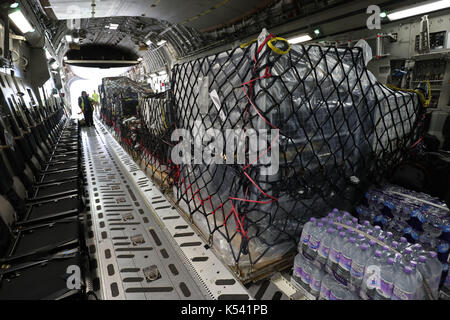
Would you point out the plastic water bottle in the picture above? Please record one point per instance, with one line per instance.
(403, 244)
(416, 248)
(358, 267)
(397, 255)
(335, 253)
(330, 224)
(365, 226)
(436, 270)
(420, 290)
(371, 278)
(394, 245)
(380, 238)
(346, 215)
(339, 292)
(361, 239)
(386, 253)
(388, 273)
(351, 234)
(306, 275)
(389, 238)
(370, 232)
(315, 230)
(304, 238)
(372, 247)
(324, 247)
(377, 231)
(325, 287)
(299, 262)
(334, 214)
(315, 237)
(427, 273)
(349, 223)
(345, 261)
(315, 282)
(405, 285)
(408, 253)
(339, 220)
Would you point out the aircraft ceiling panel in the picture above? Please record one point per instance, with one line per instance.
(199, 14)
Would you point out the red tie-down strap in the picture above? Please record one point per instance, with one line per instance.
(176, 170)
(240, 220)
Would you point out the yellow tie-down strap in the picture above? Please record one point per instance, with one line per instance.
(271, 45)
(425, 102)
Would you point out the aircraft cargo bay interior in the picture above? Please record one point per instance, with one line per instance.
(195, 150)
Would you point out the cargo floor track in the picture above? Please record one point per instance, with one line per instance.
(134, 231)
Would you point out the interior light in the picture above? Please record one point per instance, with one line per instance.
(140, 59)
(14, 5)
(20, 21)
(69, 38)
(418, 9)
(299, 39)
(148, 42)
(162, 42)
(76, 40)
(113, 26)
(317, 31)
(383, 14)
(65, 58)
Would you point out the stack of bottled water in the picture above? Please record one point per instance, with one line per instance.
(317, 282)
(418, 217)
(341, 259)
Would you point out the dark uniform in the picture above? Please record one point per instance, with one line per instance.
(85, 104)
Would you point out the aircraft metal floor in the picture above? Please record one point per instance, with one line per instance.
(136, 230)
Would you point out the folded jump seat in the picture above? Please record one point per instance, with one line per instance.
(37, 241)
(37, 256)
(36, 261)
(42, 205)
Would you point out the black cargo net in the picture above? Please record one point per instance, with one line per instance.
(339, 129)
(120, 98)
(157, 124)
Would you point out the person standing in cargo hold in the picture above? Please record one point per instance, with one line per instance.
(86, 105)
(96, 99)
